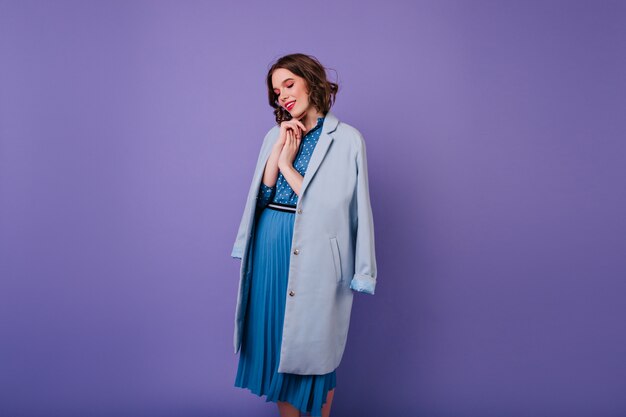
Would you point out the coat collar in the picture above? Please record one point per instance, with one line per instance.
(323, 143)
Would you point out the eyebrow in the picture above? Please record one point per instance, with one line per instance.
(284, 81)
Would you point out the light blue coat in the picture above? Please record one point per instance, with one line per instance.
(332, 249)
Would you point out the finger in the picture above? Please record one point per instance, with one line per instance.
(297, 127)
(295, 131)
(301, 126)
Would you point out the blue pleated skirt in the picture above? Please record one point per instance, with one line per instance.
(263, 324)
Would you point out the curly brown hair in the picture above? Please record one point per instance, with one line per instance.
(322, 92)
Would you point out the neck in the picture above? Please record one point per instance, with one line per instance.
(310, 119)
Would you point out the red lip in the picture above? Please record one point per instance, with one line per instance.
(290, 105)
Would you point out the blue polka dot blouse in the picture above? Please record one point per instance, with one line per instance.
(281, 192)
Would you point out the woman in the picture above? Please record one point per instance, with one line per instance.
(306, 227)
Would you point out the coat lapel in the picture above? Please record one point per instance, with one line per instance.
(323, 143)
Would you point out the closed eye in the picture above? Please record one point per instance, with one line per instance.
(278, 94)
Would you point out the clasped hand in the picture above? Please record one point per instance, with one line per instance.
(288, 142)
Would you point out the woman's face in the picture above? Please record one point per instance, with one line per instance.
(291, 91)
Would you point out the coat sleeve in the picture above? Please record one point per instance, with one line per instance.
(364, 279)
(240, 240)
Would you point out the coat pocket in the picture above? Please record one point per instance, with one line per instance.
(334, 246)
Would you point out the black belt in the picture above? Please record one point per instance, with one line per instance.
(282, 207)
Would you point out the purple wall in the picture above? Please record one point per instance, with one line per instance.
(496, 143)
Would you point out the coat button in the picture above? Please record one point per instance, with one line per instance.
(295, 252)
(291, 293)
(299, 211)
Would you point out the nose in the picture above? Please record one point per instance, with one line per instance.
(283, 97)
